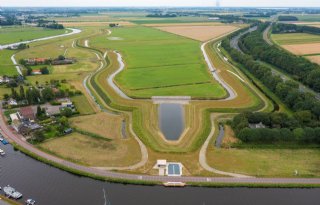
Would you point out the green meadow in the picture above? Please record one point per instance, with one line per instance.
(19, 33)
(6, 65)
(160, 63)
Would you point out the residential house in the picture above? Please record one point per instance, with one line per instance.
(27, 113)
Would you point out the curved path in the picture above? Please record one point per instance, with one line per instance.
(73, 31)
(143, 148)
(16, 138)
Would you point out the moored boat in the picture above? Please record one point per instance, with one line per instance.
(30, 202)
(2, 153)
(11, 192)
(174, 184)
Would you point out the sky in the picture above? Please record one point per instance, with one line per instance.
(152, 3)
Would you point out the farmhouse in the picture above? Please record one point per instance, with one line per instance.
(36, 72)
(27, 113)
(36, 61)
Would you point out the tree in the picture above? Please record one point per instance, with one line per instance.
(61, 57)
(64, 121)
(47, 94)
(44, 70)
(22, 93)
(67, 112)
(39, 136)
(39, 111)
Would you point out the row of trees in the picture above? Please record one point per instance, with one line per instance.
(293, 28)
(287, 91)
(280, 127)
(33, 95)
(287, 18)
(300, 68)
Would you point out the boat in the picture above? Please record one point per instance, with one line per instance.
(11, 192)
(30, 202)
(2, 153)
(1, 139)
(174, 184)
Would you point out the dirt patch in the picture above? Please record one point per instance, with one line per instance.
(200, 33)
(103, 124)
(184, 24)
(302, 49)
(229, 137)
(315, 59)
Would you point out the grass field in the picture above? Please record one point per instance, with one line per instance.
(201, 33)
(308, 17)
(20, 33)
(267, 162)
(103, 124)
(6, 65)
(82, 105)
(91, 151)
(157, 60)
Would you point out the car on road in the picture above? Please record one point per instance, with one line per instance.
(5, 142)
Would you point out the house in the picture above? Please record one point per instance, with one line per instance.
(257, 125)
(15, 116)
(12, 102)
(4, 79)
(67, 105)
(16, 124)
(36, 72)
(36, 61)
(51, 109)
(63, 62)
(26, 127)
(27, 113)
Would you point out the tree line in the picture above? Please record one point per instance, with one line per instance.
(293, 28)
(287, 91)
(279, 128)
(300, 68)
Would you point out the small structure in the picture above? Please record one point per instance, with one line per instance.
(173, 169)
(67, 131)
(27, 113)
(51, 109)
(257, 125)
(63, 62)
(36, 72)
(12, 102)
(36, 61)
(15, 116)
(4, 79)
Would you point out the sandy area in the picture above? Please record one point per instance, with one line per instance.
(315, 59)
(302, 49)
(201, 33)
(184, 24)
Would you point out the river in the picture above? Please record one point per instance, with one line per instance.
(51, 186)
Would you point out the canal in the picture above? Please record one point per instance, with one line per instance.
(51, 186)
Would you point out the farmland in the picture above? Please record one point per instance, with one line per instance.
(156, 60)
(299, 44)
(315, 59)
(6, 65)
(17, 33)
(201, 33)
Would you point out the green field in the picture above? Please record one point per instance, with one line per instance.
(267, 162)
(82, 105)
(20, 33)
(160, 63)
(6, 65)
(308, 17)
(295, 38)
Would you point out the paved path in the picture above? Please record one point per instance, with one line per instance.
(266, 35)
(13, 137)
(73, 31)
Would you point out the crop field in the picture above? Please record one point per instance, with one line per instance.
(298, 43)
(157, 60)
(103, 124)
(308, 17)
(315, 59)
(91, 151)
(201, 33)
(16, 34)
(147, 20)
